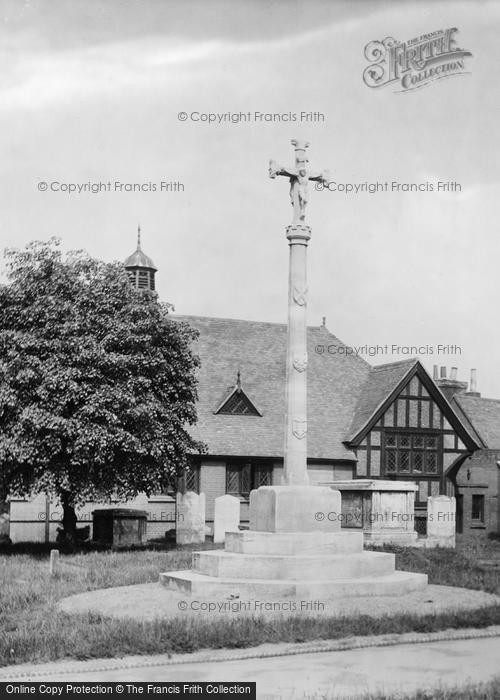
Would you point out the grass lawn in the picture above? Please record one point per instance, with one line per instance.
(475, 691)
(32, 630)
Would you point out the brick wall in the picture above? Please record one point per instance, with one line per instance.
(480, 476)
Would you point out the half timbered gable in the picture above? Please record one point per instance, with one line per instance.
(412, 434)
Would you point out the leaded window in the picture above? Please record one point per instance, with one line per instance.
(241, 478)
(188, 481)
(411, 453)
(239, 405)
(192, 476)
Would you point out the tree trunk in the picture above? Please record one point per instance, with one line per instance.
(69, 518)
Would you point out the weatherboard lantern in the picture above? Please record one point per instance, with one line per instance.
(140, 267)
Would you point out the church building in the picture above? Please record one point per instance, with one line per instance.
(392, 421)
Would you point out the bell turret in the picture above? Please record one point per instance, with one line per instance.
(140, 267)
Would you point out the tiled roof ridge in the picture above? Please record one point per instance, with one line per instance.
(390, 365)
(246, 320)
(321, 328)
(464, 395)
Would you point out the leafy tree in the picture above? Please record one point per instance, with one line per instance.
(97, 384)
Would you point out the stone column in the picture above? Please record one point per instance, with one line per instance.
(295, 452)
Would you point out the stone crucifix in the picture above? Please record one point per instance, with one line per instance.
(299, 179)
(298, 235)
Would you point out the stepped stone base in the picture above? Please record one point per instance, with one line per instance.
(404, 539)
(193, 583)
(285, 562)
(295, 568)
(293, 543)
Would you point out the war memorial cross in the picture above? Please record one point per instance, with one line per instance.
(298, 235)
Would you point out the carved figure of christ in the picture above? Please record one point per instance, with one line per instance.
(299, 179)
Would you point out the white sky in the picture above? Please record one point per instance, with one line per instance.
(90, 90)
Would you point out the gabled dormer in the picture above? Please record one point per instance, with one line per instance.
(237, 402)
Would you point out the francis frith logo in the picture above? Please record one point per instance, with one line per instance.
(414, 63)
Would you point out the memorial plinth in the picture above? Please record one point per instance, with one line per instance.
(299, 554)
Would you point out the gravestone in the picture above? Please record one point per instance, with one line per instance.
(441, 511)
(190, 527)
(383, 510)
(226, 516)
(119, 527)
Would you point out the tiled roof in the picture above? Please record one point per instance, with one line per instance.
(258, 350)
(381, 381)
(481, 416)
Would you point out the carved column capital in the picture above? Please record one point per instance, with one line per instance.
(298, 233)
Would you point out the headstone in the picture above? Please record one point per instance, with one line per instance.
(190, 518)
(141, 502)
(441, 512)
(226, 516)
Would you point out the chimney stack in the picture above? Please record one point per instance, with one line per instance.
(435, 372)
(473, 384)
(450, 386)
(473, 380)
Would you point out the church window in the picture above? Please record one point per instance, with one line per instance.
(241, 478)
(262, 475)
(191, 478)
(410, 453)
(404, 461)
(418, 462)
(238, 404)
(431, 462)
(390, 440)
(431, 442)
(391, 461)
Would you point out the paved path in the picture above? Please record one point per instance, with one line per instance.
(344, 674)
